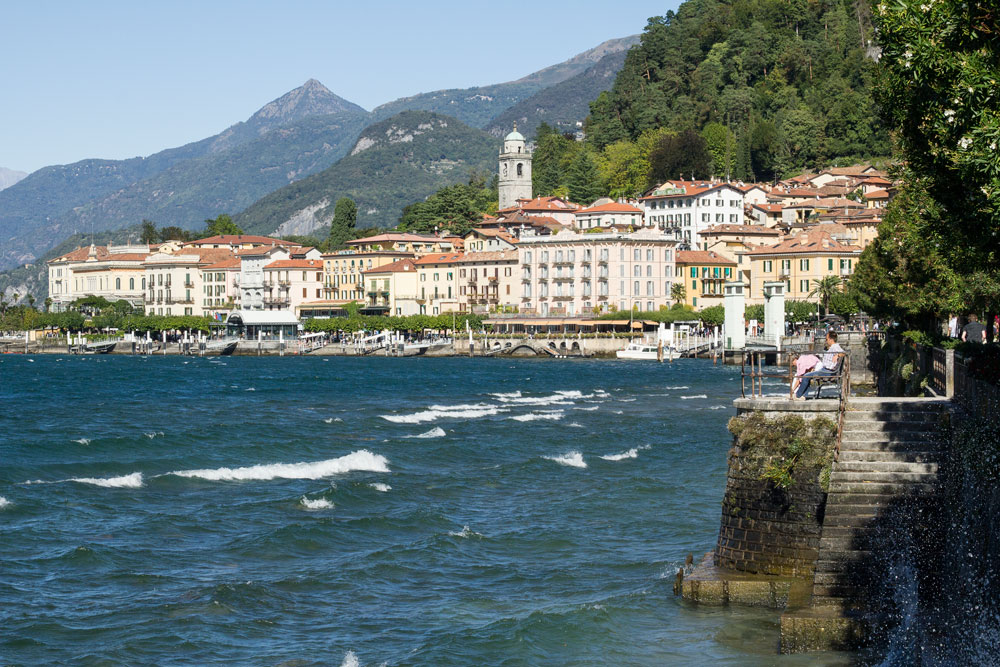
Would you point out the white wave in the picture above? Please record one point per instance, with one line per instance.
(250, 389)
(513, 394)
(4, 502)
(680, 387)
(596, 407)
(333, 419)
(695, 396)
(360, 460)
(574, 425)
(573, 459)
(446, 412)
(466, 532)
(83, 441)
(565, 397)
(436, 432)
(618, 412)
(133, 481)
(719, 407)
(317, 504)
(153, 434)
(350, 660)
(630, 454)
(552, 415)
(626, 400)
(379, 486)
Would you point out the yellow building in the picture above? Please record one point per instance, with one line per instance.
(391, 289)
(798, 261)
(703, 274)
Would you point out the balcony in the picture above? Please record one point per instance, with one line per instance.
(493, 279)
(277, 301)
(188, 284)
(284, 283)
(602, 260)
(267, 282)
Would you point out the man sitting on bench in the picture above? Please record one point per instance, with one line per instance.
(828, 367)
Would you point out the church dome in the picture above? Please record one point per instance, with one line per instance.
(514, 136)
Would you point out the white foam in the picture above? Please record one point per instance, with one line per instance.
(83, 441)
(626, 400)
(575, 425)
(446, 412)
(359, 460)
(719, 407)
(436, 432)
(513, 394)
(4, 502)
(333, 419)
(350, 660)
(695, 396)
(317, 504)
(153, 434)
(596, 407)
(465, 533)
(558, 398)
(680, 387)
(572, 459)
(250, 389)
(133, 481)
(379, 486)
(552, 415)
(630, 454)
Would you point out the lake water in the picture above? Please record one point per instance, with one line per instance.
(367, 511)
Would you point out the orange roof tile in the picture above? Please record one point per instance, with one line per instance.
(812, 241)
(399, 266)
(702, 257)
(294, 264)
(611, 207)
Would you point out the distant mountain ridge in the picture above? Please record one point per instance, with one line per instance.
(393, 163)
(298, 134)
(477, 106)
(9, 177)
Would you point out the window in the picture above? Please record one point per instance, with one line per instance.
(587, 255)
(520, 167)
(571, 256)
(649, 288)
(694, 271)
(829, 264)
(786, 265)
(768, 265)
(636, 270)
(803, 265)
(635, 288)
(649, 270)
(694, 285)
(118, 281)
(636, 255)
(304, 292)
(527, 257)
(804, 286)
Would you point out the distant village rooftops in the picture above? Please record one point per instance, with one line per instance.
(611, 207)
(294, 264)
(399, 266)
(702, 257)
(238, 240)
(810, 241)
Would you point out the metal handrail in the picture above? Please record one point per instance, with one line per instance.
(756, 374)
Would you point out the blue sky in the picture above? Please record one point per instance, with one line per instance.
(121, 79)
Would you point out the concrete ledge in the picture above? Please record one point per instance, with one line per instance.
(821, 629)
(782, 405)
(710, 585)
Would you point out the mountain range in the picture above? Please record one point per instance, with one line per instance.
(302, 133)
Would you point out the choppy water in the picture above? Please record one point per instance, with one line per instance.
(369, 511)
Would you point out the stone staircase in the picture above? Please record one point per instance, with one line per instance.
(889, 450)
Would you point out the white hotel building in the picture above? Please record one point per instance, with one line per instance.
(690, 207)
(577, 274)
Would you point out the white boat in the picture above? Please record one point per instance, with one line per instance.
(643, 350)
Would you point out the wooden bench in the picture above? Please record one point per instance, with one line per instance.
(837, 378)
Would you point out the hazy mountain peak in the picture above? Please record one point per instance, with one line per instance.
(9, 177)
(310, 99)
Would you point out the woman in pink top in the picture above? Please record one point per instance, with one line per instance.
(803, 364)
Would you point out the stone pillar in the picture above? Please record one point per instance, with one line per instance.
(735, 321)
(774, 311)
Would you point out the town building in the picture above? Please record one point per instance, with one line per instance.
(112, 272)
(703, 274)
(174, 279)
(482, 239)
(251, 280)
(688, 207)
(575, 274)
(437, 284)
(236, 242)
(515, 170)
(610, 216)
(288, 283)
(221, 287)
(799, 261)
(391, 289)
(543, 209)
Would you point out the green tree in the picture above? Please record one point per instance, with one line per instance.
(149, 233)
(584, 179)
(342, 227)
(824, 288)
(221, 226)
(683, 155)
(678, 293)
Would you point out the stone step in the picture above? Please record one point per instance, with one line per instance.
(835, 591)
(899, 405)
(882, 488)
(846, 500)
(865, 442)
(878, 456)
(853, 417)
(857, 530)
(858, 515)
(885, 466)
(831, 560)
(898, 430)
(890, 434)
(880, 477)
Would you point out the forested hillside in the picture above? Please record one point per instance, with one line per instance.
(772, 85)
(394, 162)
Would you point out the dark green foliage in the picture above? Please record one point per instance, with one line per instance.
(220, 226)
(550, 161)
(783, 444)
(383, 175)
(678, 156)
(584, 181)
(345, 219)
(149, 233)
(790, 79)
(456, 208)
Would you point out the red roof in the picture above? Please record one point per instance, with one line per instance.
(541, 204)
(610, 207)
(295, 264)
(808, 242)
(231, 263)
(239, 239)
(877, 194)
(702, 257)
(399, 266)
(440, 258)
(740, 229)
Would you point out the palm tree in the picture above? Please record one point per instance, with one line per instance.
(31, 300)
(48, 303)
(824, 288)
(677, 293)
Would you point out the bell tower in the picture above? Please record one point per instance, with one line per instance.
(515, 170)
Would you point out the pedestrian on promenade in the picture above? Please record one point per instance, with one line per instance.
(974, 331)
